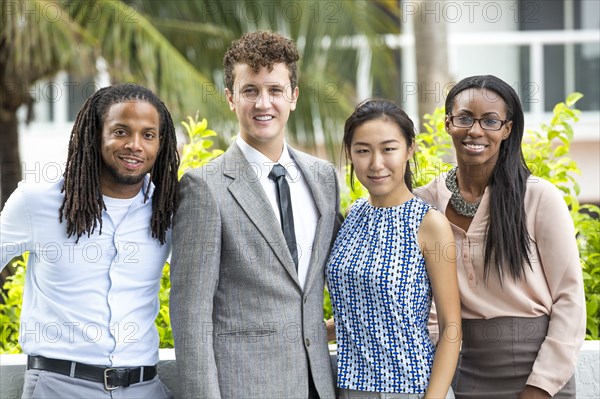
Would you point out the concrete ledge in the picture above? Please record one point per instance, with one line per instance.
(12, 368)
(588, 371)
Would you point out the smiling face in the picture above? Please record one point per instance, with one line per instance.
(474, 145)
(262, 103)
(379, 153)
(130, 145)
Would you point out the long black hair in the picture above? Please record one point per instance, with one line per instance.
(507, 244)
(83, 204)
(375, 109)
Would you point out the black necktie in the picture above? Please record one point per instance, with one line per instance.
(285, 209)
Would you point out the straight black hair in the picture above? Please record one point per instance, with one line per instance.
(373, 109)
(507, 243)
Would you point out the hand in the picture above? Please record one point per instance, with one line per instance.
(531, 392)
(330, 327)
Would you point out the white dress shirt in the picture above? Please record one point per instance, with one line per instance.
(305, 210)
(93, 302)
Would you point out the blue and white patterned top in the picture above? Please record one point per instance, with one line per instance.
(381, 297)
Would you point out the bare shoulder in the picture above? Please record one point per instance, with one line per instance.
(434, 220)
(435, 228)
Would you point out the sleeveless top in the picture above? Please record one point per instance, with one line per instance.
(381, 297)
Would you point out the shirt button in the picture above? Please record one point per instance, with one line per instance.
(307, 341)
(470, 277)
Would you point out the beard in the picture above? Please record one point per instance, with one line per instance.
(128, 180)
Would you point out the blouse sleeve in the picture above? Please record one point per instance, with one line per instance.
(557, 247)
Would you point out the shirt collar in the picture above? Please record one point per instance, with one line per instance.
(139, 197)
(260, 163)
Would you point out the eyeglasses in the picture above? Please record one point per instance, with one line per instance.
(464, 121)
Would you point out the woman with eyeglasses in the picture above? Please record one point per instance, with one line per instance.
(522, 300)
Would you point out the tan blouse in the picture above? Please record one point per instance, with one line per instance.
(554, 287)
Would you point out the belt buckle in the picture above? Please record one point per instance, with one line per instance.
(106, 386)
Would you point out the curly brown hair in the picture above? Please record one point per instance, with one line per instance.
(261, 49)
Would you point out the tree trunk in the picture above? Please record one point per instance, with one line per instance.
(11, 98)
(13, 94)
(10, 167)
(432, 55)
(10, 162)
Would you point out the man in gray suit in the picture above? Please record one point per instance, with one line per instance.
(250, 242)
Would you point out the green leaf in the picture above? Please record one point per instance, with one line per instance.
(591, 306)
(573, 98)
(560, 151)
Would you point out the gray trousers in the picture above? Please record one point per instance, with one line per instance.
(40, 384)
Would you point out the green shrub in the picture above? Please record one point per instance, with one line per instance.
(196, 153)
(433, 147)
(163, 320)
(10, 310)
(546, 152)
(588, 238)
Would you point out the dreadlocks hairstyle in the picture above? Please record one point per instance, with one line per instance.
(507, 240)
(83, 204)
(261, 49)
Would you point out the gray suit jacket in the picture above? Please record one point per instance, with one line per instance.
(242, 325)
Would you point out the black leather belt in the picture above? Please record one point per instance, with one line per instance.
(111, 377)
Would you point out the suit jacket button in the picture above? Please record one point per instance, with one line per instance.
(305, 299)
(307, 341)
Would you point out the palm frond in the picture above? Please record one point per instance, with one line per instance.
(176, 48)
(39, 43)
(136, 50)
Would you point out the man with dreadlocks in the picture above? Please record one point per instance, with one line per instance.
(97, 242)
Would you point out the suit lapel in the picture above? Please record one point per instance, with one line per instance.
(248, 192)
